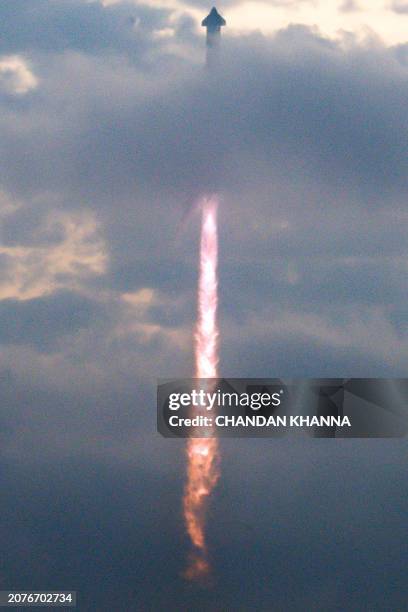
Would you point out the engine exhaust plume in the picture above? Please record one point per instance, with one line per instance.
(202, 453)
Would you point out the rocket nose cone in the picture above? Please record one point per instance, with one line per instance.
(213, 19)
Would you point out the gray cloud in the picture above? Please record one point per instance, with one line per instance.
(274, 545)
(40, 322)
(58, 25)
(227, 3)
(400, 6)
(305, 139)
(349, 6)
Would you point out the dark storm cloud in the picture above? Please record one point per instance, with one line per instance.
(26, 226)
(41, 321)
(306, 140)
(304, 110)
(304, 137)
(326, 542)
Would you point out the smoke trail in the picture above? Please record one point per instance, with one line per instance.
(202, 454)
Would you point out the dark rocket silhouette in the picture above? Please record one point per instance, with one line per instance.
(213, 22)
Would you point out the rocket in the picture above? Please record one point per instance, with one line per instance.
(213, 22)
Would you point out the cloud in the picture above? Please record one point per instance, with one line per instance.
(304, 138)
(291, 4)
(348, 6)
(400, 6)
(81, 520)
(39, 322)
(75, 255)
(55, 26)
(356, 342)
(15, 75)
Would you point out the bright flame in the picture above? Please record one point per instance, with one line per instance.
(202, 453)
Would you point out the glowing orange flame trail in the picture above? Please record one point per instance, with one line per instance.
(202, 453)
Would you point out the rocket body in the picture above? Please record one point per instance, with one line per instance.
(213, 23)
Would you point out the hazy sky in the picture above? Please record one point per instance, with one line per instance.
(110, 128)
(386, 19)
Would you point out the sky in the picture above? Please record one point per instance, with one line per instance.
(110, 129)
